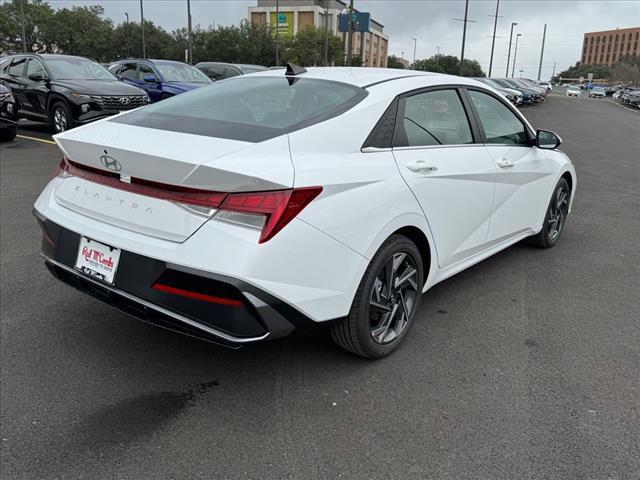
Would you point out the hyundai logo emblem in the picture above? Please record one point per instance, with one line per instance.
(124, 101)
(110, 163)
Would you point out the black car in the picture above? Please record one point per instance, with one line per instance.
(8, 117)
(66, 91)
(219, 70)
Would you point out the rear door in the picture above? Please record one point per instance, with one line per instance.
(525, 174)
(451, 176)
(36, 90)
(15, 80)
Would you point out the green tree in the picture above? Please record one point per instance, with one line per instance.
(450, 64)
(127, 42)
(37, 15)
(393, 62)
(583, 70)
(81, 31)
(307, 48)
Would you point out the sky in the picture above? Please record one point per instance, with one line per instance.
(432, 23)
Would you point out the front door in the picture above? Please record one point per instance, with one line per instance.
(451, 176)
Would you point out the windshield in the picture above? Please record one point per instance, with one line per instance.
(250, 109)
(76, 68)
(574, 88)
(598, 89)
(180, 72)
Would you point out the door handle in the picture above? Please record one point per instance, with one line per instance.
(505, 163)
(421, 167)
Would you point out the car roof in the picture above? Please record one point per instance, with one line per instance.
(358, 76)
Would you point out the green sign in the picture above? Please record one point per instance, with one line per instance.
(284, 23)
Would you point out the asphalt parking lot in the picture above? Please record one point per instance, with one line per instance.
(526, 366)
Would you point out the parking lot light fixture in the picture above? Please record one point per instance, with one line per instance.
(513, 24)
(515, 55)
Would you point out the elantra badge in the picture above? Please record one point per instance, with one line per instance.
(110, 163)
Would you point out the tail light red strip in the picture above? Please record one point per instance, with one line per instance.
(230, 302)
(278, 206)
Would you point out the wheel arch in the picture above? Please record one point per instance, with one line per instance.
(53, 98)
(421, 241)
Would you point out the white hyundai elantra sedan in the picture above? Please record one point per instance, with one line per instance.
(265, 204)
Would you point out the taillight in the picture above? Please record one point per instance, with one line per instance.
(270, 211)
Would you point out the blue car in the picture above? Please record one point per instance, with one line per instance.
(159, 78)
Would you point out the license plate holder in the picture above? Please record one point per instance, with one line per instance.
(97, 260)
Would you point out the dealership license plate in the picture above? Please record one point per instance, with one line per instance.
(97, 260)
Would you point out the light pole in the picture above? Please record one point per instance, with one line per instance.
(127, 33)
(513, 24)
(326, 34)
(544, 36)
(437, 56)
(277, 28)
(24, 35)
(144, 49)
(350, 34)
(493, 39)
(415, 43)
(521, 73)
(189, 39)
(464, 31)
(515, 54)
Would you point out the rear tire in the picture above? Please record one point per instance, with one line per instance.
(385, 303)
(7, 136)
(555, 218)
(60, 117)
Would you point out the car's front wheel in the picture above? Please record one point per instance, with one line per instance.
(386, 301)
(60, 117)
(555, 218)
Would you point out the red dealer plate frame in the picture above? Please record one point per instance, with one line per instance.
(97, 260)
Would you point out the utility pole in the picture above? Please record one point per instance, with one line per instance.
(127, 34)
(190, 40)
(144, 49)
(437, 56)
(277, 29)
(493, 39)
(326, 35)
(350, 34)
(415, 43)
(544, 36)
(464, 30)
(513, 24)
(515, 54)
(554, 70)
(24, 35)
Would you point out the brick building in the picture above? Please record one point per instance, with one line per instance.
(608, 46)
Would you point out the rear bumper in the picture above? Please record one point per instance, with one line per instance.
(246, 314)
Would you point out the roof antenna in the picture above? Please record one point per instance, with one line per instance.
(293, 70)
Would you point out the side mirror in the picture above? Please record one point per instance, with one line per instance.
(36, 77)
(150, 78)
(547, 140)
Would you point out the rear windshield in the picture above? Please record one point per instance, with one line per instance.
(251, 109)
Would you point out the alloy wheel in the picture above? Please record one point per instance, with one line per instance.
(60, 120)
(557, 213)
(393, 298)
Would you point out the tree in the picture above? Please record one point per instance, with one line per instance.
(127, 42)
(394, 62)
(451, 65)
(37, 15)
(81, 31)
(307, 48)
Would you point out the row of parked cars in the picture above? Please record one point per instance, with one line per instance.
(67, 91)
(519, 91)
(629, 96)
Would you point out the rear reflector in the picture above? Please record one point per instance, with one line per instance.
(230, 302)
(270, 211)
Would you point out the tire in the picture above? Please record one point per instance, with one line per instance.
(556, 217)
(381, 315)
(62, 123)
(8, 135)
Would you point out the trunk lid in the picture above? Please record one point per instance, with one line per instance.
(169, 158)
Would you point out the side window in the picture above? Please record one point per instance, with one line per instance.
(129, 71)
(500, 124)
(35, 67)
(17, 67)
(146, 70)
(433, 118)
(217, 73)
(231, 72)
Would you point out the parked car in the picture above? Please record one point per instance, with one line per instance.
(219, 71)
(161, 79)
(631, 97)
(8, 115)
(546, 85)
(273, 205)
(573, 91)
(597, 92)
(525, 82)
(533, 96)
(66, 91)
(514, 96)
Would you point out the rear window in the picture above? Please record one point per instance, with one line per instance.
(249, 109)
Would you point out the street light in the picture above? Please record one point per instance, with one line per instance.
(509, 54)
(515, 54)
(437, 56)
(127, 33)
(24, 35)
(521, 73)
(144, 49)
(415, 42)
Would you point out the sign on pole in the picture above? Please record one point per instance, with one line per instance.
(361, 22)
(590, 77)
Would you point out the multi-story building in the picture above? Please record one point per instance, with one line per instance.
(607, 47)
(295, 15)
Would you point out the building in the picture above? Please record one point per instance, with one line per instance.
(608, 46)
(295, 15)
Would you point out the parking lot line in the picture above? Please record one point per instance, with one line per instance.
(36, 139)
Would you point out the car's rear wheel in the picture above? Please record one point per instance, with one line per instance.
(8, 135)
(555, 218)
(60, 117)
(386, 301)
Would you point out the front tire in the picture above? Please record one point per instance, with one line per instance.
(386, 301)
(60, 117)
(555, 218)
(8, 135)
